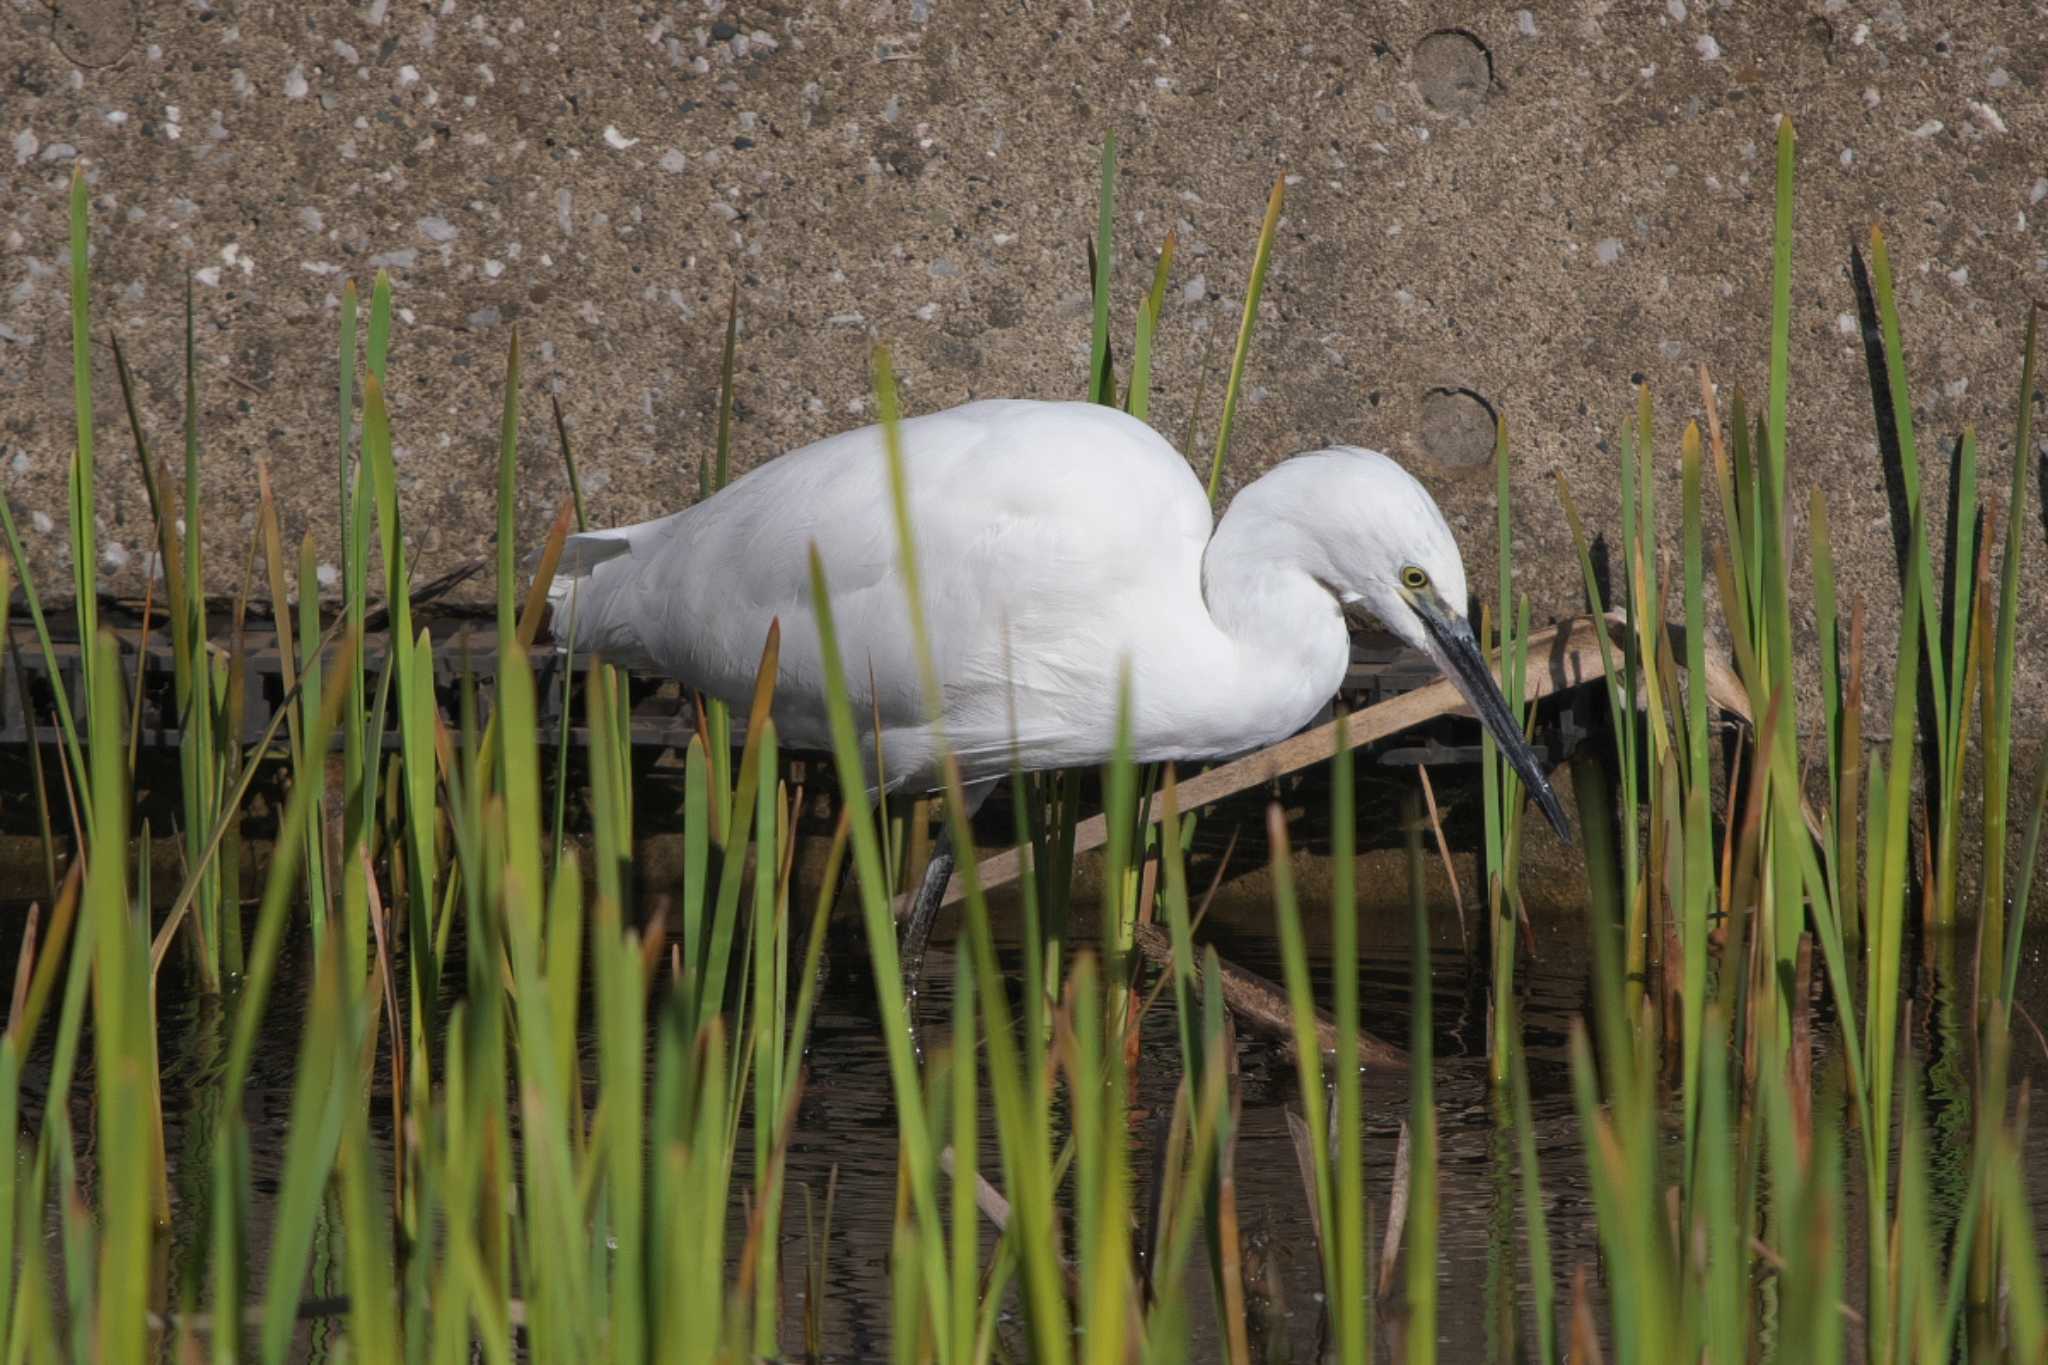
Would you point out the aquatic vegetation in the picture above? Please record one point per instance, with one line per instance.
(543, 1107)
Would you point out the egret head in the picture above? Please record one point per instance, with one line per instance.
(1387, 553)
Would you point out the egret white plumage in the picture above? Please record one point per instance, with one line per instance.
(1060, 544)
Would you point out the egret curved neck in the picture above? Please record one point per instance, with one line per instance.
(1289, 644)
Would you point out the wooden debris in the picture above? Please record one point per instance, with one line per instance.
(1262, 1006)
(1561, 657)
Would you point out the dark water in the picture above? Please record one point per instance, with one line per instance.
(847, 1125)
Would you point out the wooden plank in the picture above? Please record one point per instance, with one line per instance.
(1561, 657)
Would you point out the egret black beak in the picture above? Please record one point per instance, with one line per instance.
(1461, 658)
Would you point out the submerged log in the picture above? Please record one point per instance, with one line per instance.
(1262, 1006)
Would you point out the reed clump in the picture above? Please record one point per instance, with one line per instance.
(529, 1119)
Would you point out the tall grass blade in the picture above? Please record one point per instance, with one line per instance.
(1101, 379)
(1262, 255)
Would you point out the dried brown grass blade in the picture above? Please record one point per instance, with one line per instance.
(24, 969)
(1443, 848)
(1305, 1160)
(1397, 1214)
(1585, 1340)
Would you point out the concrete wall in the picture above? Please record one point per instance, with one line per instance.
(1573, 194)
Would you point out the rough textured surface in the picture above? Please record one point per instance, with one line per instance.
(922, 172)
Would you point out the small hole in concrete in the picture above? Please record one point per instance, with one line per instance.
(1454, 71)
(1458, 428)
(94, 33)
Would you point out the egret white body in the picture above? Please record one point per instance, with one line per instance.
(1059, 545)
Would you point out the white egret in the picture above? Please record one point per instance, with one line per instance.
(1060, 544)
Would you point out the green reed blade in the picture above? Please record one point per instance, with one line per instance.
(194, 692)
(345, 411)
(1886, 938)
(1737, 526)
(565, 635)
(1101, 381)
(621, 1037)
(721, 472)
(610, 827)
(411, 666)
(920, 1161)
(564, 978)
(307, 675)
(1650, 608)
(1103, 1216)
(321, 1095)
(508, 474)
(1999, 689)
(1262, 255)
(965, 1140)
(224, 821)
(1944, 805)
(1207, 1134)
(1139, 399)
(1120, 802)
(906, 544)
(1535, 1225)
(1779, 666)
(1199, 1056)
(519, 771)
(1028, 814)
(569, 462)
(1920, 564)
(1781, 301)
(711, 478)
(379, 342)
(1749, 442)
(279, 888)
(1609, 674)
(1028, 1171)
(1308, 1067)
(671, 1124)
(1698, 856)
(16, 1158)
(353, 510)
(1501, 793)
(46, 833)
(1028, 1165)
(1963, 570)
(2030, 859)
(1827, 627)
(73, 751)
(717, 956)
(271, 539)
(1174, 898)
(797, 1044)
(1420, 1329)
(84, 500)
(1715, 1195)
(696, 862)
(122, 1030)
(1620, 707)
(2027, 1302)
(366, 1244)
(1353, 1304)
(770, 954)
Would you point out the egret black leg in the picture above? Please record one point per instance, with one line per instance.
(917, 929)
(924, 908)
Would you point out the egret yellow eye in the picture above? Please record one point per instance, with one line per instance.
(1414, 579)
